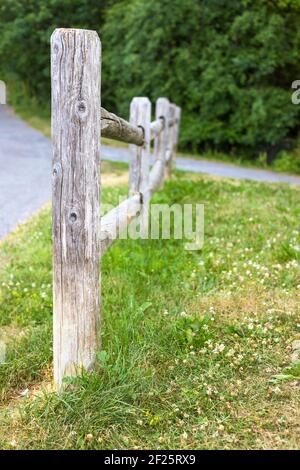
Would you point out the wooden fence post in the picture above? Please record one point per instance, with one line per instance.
(161, 140)
(140, 115)
(176, 134)
(169, 164)
(75, 75)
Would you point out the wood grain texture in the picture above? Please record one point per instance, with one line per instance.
(160, 145)
(175, 136)
(75, 76)
(171, 137)
(156, 177)
(156, 127)
(118, 219)
(140, 115)
(114, 127)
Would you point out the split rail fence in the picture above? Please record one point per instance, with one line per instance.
(79, 236)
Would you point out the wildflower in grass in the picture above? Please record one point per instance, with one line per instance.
(230, 353)
(219, 348)
(154, 420)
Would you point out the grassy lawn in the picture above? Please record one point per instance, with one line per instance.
(196, 345)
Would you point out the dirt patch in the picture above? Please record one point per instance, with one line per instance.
(11, 429)
(11, 333)
(253, 302)
(275, 430)
(113, 179)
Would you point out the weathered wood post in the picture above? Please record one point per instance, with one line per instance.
(140, 115)
(161, 140)
(176, 134)
(75, 75)
(174, 117)
(171, 135)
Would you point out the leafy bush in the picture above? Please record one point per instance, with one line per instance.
(25, 30)
(229, 65)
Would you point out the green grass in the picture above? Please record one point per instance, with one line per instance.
(196, 345)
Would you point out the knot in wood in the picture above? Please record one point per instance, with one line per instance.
(56, 170)
(73, 217)
(81, 109)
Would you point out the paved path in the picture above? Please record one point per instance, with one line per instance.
(24, 170)
(25, 183)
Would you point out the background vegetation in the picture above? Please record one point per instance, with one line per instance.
(229, 65)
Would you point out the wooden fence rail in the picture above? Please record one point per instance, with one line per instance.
(79, 238)
(114, 127)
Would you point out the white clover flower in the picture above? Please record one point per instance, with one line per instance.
(231, 352)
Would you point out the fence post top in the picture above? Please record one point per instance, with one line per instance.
(162, 100)
(141, 106)
(162, 108)
(141, 99)
(63, 32)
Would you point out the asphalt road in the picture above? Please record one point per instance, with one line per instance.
(25, 175)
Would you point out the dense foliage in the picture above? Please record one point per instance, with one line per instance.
(25, 30)
(229, 65)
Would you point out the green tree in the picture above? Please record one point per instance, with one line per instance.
(25, 30)
(229, 65)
